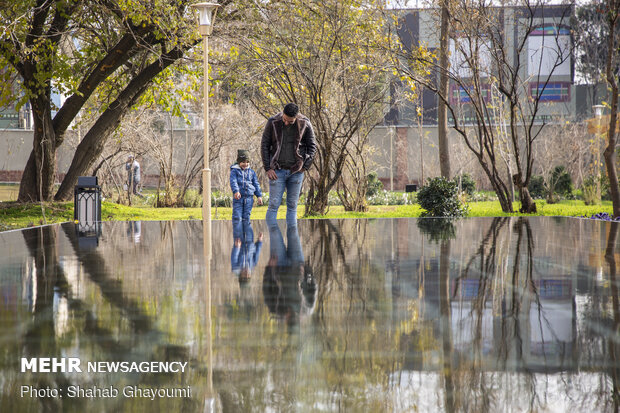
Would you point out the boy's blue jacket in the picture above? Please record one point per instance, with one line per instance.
(244, 181)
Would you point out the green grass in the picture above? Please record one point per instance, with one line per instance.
(13, 215)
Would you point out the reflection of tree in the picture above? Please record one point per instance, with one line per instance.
(111, 288)
(442, 231)
(39, 337)
(516, 300)
(473, 386)
(52, 330)
(612, 343)
(446, 324)
(351, 320)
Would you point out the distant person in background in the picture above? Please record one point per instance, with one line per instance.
(132, 166)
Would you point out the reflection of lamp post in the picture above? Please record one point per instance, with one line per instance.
(206, 13)
(598, 112)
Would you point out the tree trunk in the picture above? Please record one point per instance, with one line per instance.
(330, 171)
(442, 109)
(500, 189)
(610, 151)
(504, 199)
(28, 183)
(528, 206)
(317, 200)
(39, 175)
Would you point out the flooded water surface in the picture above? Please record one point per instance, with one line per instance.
(480, 314)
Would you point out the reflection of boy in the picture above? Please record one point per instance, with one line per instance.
(288, 285)
(244, 185)
(245, 252)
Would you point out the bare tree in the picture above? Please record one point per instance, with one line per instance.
(566, 145)
(487, 57)
(234, 127)
(442, 109)
(612, 11)
(325, 56)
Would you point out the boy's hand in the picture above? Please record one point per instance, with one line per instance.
(237, 195)
(260, 200)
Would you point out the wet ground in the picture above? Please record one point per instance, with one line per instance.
(481, 314)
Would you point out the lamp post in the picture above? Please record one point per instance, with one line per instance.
(206, 13)
(598, 112)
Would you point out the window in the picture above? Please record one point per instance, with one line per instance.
(458, 94)
(463, 49)
(549, 51)
(552, 92)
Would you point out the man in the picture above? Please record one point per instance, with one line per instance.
(133, 175)
(287, 150)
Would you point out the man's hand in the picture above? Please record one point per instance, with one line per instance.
(260, 200)
(271, 174)
(237, 195)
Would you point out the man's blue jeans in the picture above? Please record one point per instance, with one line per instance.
(287, 255)
(292, 184)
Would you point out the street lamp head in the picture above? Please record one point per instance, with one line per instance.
(598, 110)
(206, 17)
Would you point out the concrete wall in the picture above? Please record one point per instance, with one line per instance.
(410, 155)
(15, 148)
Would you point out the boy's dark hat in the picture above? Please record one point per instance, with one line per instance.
(243, 155)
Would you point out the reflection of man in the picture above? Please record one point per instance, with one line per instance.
(288, 285)
(287, 150)
(245, 252)
(132, 166)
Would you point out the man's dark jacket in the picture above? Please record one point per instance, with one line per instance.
(271, 143)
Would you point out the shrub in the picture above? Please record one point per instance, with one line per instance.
(468, 185)
(482, 196)
(333, 199)
(192, 198)
(537, 187)
(221, 199)
(374, 185)
(589, 191)
(563, 181)
(439, 197)
(392, 198)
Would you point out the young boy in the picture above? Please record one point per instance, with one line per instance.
(244, 185)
